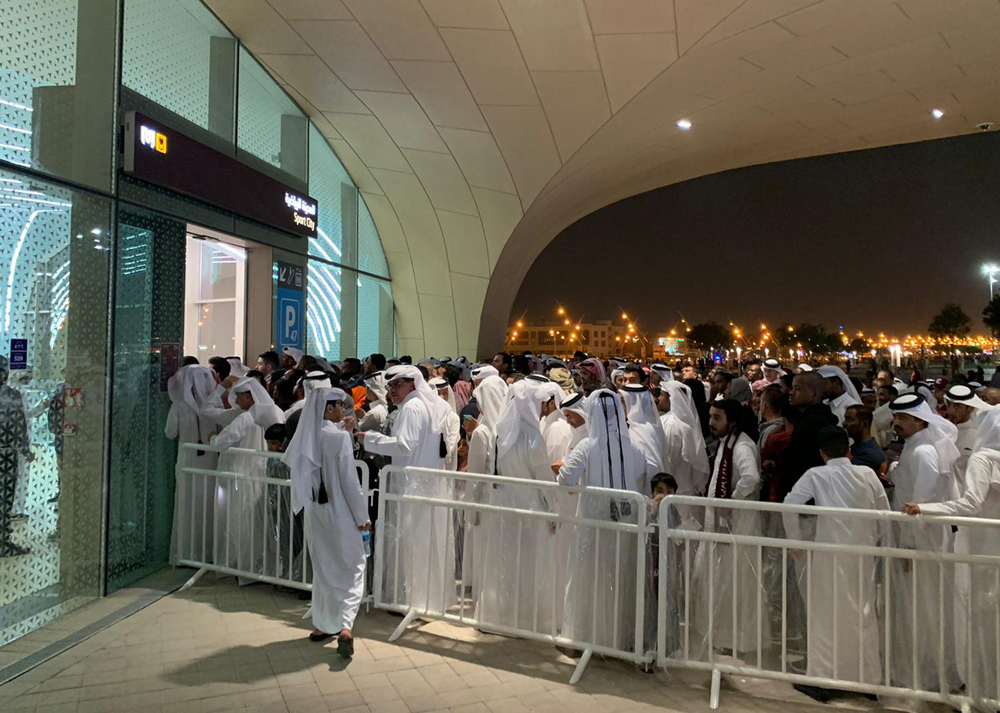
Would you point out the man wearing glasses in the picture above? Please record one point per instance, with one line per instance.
(417, 440)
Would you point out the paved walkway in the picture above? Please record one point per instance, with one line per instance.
(220, 647)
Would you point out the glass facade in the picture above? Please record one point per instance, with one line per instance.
(94, 299)
(55, 255)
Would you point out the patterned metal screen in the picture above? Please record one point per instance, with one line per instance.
(149, 321)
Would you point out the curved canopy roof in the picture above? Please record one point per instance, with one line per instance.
(478, 129)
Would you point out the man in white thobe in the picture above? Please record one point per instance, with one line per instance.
(964, 409)
(574, 410)
(605, 459)
(519, 564)
(240, 506)
(839, 392)
(735, 476)
(981, 498)
(426, 579)
(645, 429)
(189, 389)
(325, 484)
(843, 634)
(312, 380)
(452, 424)
(687, 458)
(924, 475)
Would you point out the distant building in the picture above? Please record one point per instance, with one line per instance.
(600, 338)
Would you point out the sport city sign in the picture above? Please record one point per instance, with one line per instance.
(156, 153)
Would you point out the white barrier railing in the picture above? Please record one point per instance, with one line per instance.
(682, 641)
(241, 524)
(420, 526)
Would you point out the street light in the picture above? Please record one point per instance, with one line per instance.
(991, 270)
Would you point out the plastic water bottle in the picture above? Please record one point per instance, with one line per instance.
(366, 537)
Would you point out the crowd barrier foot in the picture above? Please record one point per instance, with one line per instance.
(410, 616)
(581, 666)
(194, 579)
(713, 696)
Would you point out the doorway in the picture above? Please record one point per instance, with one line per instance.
(214, 297)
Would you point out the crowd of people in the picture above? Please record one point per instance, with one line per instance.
(805, 435)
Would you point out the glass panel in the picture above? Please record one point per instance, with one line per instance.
(328, 182)
(147, 336)
(371, 257)
(54, 265)
(57, 87)
(375, 318)
(271, 127)
(219, 267)
(323, 311)
(176, 53)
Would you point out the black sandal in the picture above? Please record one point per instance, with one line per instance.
(345, 646)
(322, 636)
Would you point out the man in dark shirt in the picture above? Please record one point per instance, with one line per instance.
(803, 449)
(864, 450)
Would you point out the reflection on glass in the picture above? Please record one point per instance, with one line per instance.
(323, 311)
(178, 54)
(270, 126)
(54, 252)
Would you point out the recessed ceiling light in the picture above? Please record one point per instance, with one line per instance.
(937, 113)
(684, 124)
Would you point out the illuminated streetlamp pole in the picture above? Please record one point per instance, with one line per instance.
(991, 270)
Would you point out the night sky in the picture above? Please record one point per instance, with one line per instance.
(873, 240)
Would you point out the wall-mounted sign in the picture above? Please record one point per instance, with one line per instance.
(18, 354)
(289, 315)
(156, 153)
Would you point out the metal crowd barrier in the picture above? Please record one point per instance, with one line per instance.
(405, 551)
(240, 524)
(681, 645)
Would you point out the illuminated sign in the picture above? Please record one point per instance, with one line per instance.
(158, 154)
(153, 139)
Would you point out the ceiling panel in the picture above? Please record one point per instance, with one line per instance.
(478, 129)
(349, 51)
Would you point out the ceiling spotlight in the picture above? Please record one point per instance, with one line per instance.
(683, 124)
(937, 114)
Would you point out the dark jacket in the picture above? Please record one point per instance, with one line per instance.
(803, 451)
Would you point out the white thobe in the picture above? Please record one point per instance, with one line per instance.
(452, 434)
(519, 554)
(214, 410)
(646, 439)
(426, 550)
(981, 498)
(335, 544)
(239, 502)
(918, 479)
(482, 460)
(843, 634)
(840, 405)
(194, 500)
(374, 419)
(590, 618)
(745, 482)
(691, 480)
(966, 442)
(559, 437)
